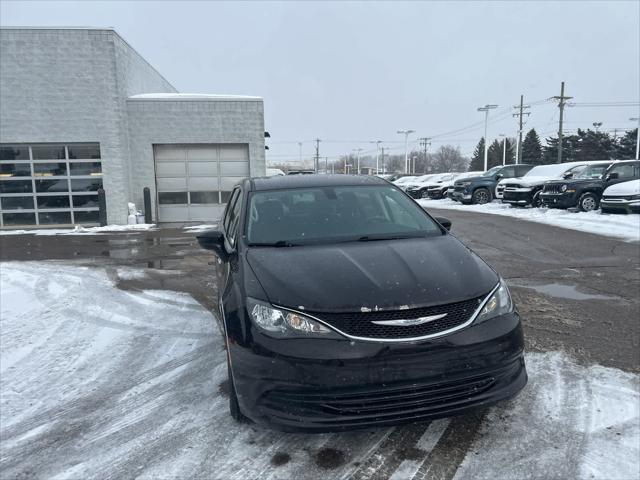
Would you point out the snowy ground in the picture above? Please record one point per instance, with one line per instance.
(622, 226)
(134, 386)
(140, 227)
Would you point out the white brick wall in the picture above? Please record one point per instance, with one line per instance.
(153, 122)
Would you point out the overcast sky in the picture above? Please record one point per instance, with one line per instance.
(350, 73)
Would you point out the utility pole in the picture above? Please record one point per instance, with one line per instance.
(521, 115)
(326, 165)
(561, 104)
(384, 169)
(637, 119)
(300, 148)
(424, 141)
(317, 160)
(406, 134)
(486, 109)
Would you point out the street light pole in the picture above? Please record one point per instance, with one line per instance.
(377, 142)
(637, 119)
(357, 150)
(406, 148)
(486, 109)
(504, 149)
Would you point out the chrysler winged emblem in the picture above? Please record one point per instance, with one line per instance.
(408, 322)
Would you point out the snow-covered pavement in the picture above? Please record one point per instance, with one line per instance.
(99, 382)
(622, 226)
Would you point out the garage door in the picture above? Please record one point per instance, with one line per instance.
(194, 181)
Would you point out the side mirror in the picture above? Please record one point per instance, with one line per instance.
(567, 175)
(613, 176)
(213, 240)
(499, 176)
(445, 222)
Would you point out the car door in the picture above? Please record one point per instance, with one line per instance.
(623, 173)
(229, 227)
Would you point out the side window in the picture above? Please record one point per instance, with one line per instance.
(234, 218)
(623, 171)
(227, 211)
(522, 170)
(508, 172)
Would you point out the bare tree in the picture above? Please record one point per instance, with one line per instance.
(449, 159)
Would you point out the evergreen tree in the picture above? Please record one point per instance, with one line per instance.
(494, 156)
(532, 148)
(477, 160)
(626, 145)
(593, 145)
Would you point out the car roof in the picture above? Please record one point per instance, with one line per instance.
(310, 181)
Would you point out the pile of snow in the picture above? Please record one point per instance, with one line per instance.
(622, 226)
(200, 228)
(101, 382)
(140, 227)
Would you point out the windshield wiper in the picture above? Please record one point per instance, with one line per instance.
(368, 238)
(279, 243)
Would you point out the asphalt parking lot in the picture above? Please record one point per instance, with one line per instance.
(134, 385)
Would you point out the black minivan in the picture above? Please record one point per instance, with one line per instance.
(346, 305)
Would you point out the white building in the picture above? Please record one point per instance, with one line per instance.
(80, 110)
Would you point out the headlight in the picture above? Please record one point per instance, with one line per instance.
(464, 184)
(635, 197)
(281, 323)
(498, 304)
(563, 188)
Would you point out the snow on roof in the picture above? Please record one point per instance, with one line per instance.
(194, 97)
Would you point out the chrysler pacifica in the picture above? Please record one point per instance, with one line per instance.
(346, 305)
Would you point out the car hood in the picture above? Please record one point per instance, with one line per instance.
(625, 188)
(531, 181)
(388, 274)
(472, 179)
(577, 181)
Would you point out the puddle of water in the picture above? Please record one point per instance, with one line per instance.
(559, 290)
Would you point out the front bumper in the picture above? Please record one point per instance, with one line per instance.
(516, 198)
(318, 385)
(626, 206)
(461, 196)
(559, 200)
(436, 194)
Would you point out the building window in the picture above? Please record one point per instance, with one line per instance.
(49, 184)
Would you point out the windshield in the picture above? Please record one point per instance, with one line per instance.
(588, 171)
(334, 214)
(404, 179)
(492, 171)
(550, 170)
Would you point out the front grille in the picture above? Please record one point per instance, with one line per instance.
(359, 324)
(552, 188)
(511, 185)
(365, 405)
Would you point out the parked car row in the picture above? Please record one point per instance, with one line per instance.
(612, 185)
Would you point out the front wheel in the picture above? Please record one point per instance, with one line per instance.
(536, 201)
(588, 202)
(481, 196)
(424, 194)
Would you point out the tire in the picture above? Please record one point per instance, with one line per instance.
(481, 196)
(588, 202)
(536, 201)
(234, 406)
(424, 194)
